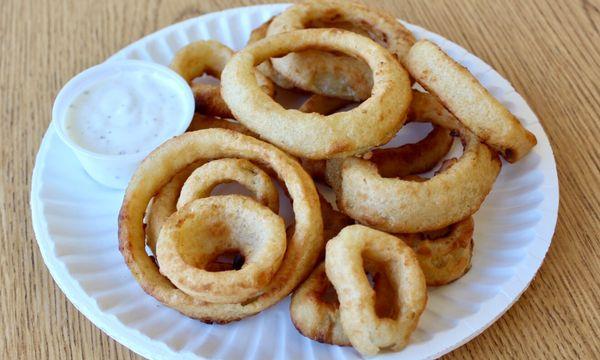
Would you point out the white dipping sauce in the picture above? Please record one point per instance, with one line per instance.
(125, 113)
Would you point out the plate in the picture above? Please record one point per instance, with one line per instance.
(75, 222)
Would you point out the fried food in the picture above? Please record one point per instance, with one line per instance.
(204, 229)
(367, 331)
(205, 178)
(314, 310)
(321, 104)
(330, 74)
(312, 135)
(221, 258)
(391, 162)
(444, 255)
(416, 158)
(304, 244)
(403, 206)
(469, 101)
(209, 57)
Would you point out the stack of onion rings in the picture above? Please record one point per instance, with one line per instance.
(221, 258)
(303, 246)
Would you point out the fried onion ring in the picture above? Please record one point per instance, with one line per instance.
(367, 331)
(403, 206)
(415, 158)
(303, 245)
(321, 104)
(314, 136)
(444, 255)
(314, 310)
(209, 57)
(469, 101)
(330, 74)
(205, 178)
(205, 228)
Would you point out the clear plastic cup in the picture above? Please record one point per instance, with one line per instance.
(115, 171)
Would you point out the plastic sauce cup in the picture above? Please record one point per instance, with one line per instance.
(115, 171)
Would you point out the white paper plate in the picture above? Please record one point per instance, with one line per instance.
(75, 222)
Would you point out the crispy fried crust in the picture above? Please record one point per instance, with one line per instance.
(303, 246)
(414, 158)
(312, 135)
(404, 206)
(205, 228)
(314, 310)
(367, 331)
(469, 101)
(331, 74)
(444, 255)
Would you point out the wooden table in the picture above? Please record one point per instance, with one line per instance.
(550, 53)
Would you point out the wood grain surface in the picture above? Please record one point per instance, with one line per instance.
(549, 50)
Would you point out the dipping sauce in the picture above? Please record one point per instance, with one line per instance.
(125, 113)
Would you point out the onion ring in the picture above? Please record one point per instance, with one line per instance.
(414, 158)
(404, 206)
(209, 57)
(303, 246)
(444, 255)
(205, 178)
(314, 310)
(321, 104)
(205, 228)
(366, 330)
(315, 136)
(331, 74)
(469, 101)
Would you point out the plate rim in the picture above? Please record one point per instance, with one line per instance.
(150, 348)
